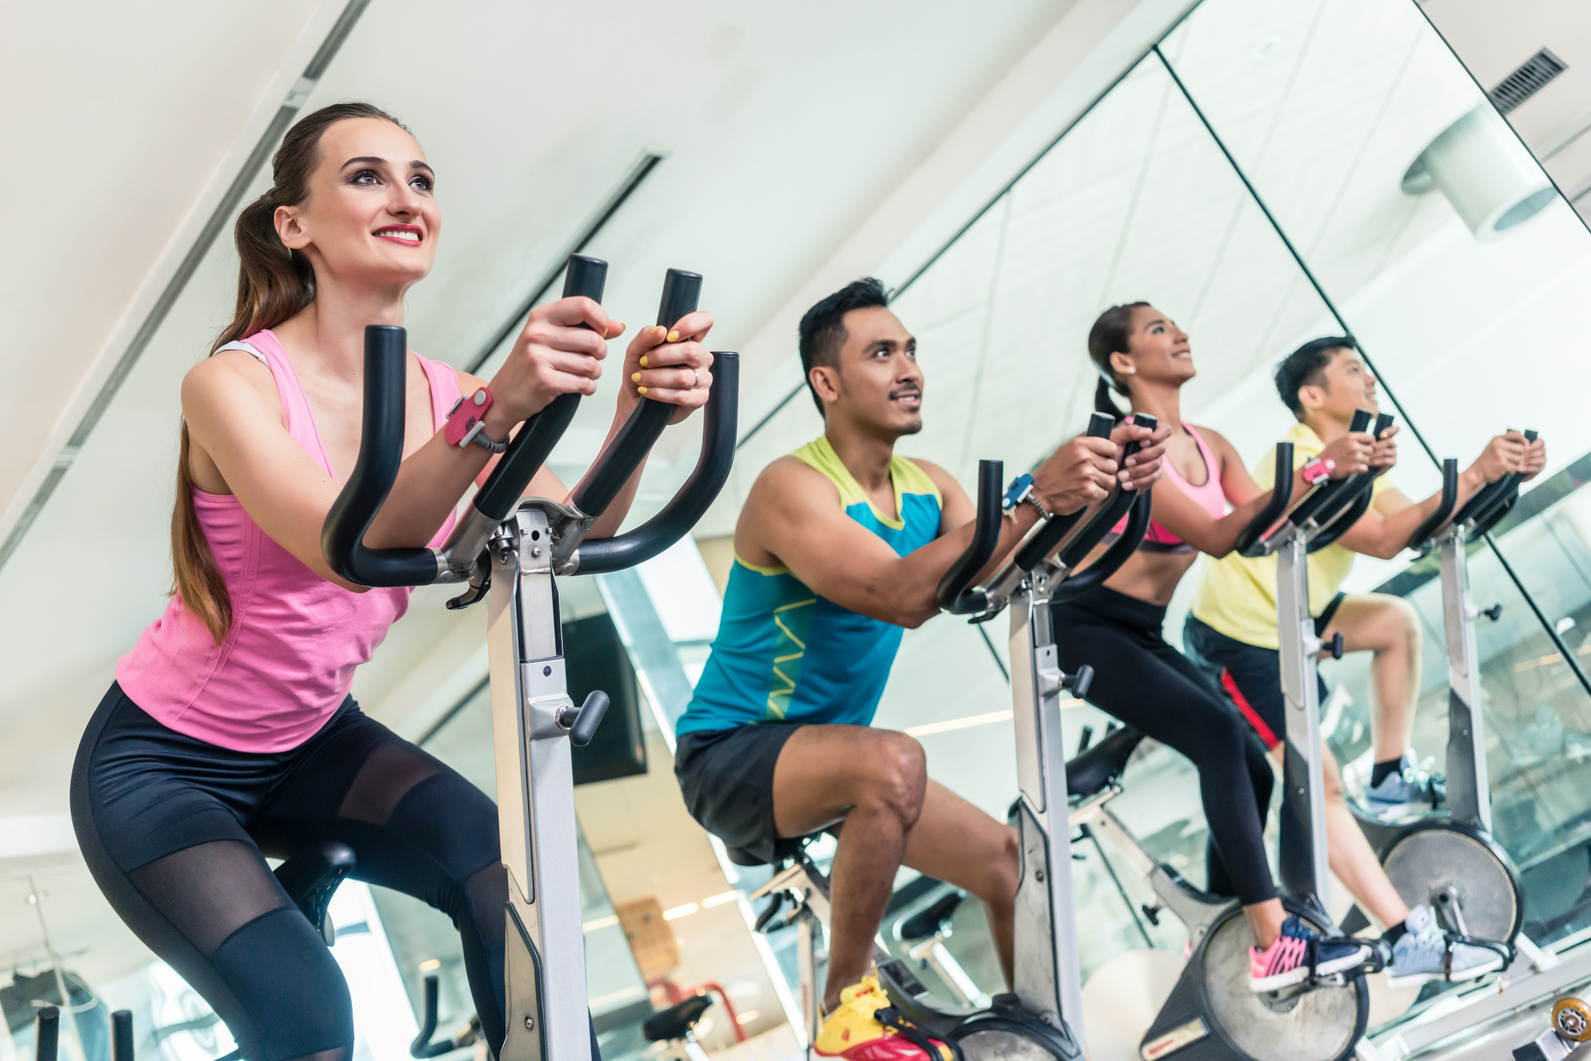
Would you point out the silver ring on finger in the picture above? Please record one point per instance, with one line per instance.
(696, 379)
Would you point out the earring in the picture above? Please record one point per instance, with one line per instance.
(1131, 371)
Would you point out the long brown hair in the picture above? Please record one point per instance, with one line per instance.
(274, 284)
(1110, 335)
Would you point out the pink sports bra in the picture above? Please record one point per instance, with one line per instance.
(289, 658)
(1208, 494)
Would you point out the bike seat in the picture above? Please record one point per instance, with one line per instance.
(930, 920)
(1090, 771)
(674, 1022)
(310, 878)
(784, 850)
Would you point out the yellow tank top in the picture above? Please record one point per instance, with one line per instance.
(1237, 595)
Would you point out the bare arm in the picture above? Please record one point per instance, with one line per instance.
(1185, 518)
(793, 518)
(1384, 530)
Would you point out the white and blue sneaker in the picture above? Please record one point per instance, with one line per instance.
(1286, 961)
(1409, 791)
(1424, 952)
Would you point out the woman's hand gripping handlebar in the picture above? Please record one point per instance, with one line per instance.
(381, 453)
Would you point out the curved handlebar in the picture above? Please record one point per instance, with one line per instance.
(1420, 540)
(635, 438)
(955, 594)
(1036, 548)
(380, 454)
(719, 428)
(1501, 498)
(1109, 514)
(1351, 502)
(1111, 560)
(1281, 497)
(1317, 499)
(533, 444)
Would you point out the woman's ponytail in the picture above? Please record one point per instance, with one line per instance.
(274, 285)
(1110, 335)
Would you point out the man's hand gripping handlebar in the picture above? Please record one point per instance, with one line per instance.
(381, 453)
(1052, 550)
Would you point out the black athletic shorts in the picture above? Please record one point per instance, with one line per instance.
(1249, 674)
(726, 777)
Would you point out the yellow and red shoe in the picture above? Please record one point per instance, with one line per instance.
(853, 1030)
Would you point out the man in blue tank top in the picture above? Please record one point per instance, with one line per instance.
(839, 546)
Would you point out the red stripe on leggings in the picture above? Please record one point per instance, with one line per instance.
(1249, 713)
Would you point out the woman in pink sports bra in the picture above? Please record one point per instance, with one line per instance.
(1116, 628)
(229, 734)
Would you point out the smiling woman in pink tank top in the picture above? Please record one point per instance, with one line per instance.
(229, 734)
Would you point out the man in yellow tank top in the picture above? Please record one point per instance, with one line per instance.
(1232, 624)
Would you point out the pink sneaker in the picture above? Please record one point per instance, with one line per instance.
(1286, 961)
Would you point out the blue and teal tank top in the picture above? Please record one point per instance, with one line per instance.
(785, 654)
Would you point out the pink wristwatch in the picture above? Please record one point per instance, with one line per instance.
(1318, 470)
(465, 421)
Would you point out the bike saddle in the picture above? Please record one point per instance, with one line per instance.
(1091, 770)
(930, 920)
(674, 1022)
(311, 877)
(784, 850)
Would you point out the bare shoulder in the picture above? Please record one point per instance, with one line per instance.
(941, 478)
(1218, 444)
(790, 482)
(228, 378)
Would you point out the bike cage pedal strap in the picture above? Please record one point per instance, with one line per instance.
(890, 1017)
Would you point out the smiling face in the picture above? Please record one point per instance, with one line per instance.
(371, 217)
(875, 382)
(1158, 351)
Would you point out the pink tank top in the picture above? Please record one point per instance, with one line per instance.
(1208, 494)
(288, 661)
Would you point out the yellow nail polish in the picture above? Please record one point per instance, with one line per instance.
(635, 377)
(673, 337)
(643, 362)
(640, 390)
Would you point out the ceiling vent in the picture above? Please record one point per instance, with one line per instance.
(1528, 80)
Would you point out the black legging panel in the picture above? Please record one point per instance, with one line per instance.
(1151, 686)
(176, 830)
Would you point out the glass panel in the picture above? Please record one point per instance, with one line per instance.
(1454, 263)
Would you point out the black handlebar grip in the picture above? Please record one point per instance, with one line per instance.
(1422, 535)
(635, 438)
(380, 454)
(47, 1034)
(954, 593)
(1281, 497)
(1326, 493)
(674, 521)
(1109, 562)
(1505, 500)
(530, 448)
(1110, 513)
(583, 722)
(121, 1035)
(1036, 548)
(422, 1046)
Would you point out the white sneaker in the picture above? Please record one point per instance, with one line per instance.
(1424, 952)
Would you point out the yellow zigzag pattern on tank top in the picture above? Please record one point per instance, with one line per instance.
(779, 699)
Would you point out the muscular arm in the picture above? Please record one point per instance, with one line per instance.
(793, 518)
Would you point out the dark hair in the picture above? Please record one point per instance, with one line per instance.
(1303, 368)
(823, 326)
(1110, 335)
(274, 283)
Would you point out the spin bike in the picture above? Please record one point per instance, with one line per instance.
(509, 552)
(1450, 862)
(1210, 1013)
(1027, 1023)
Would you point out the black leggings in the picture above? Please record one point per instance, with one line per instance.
(176, 830)
(1151, 686)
